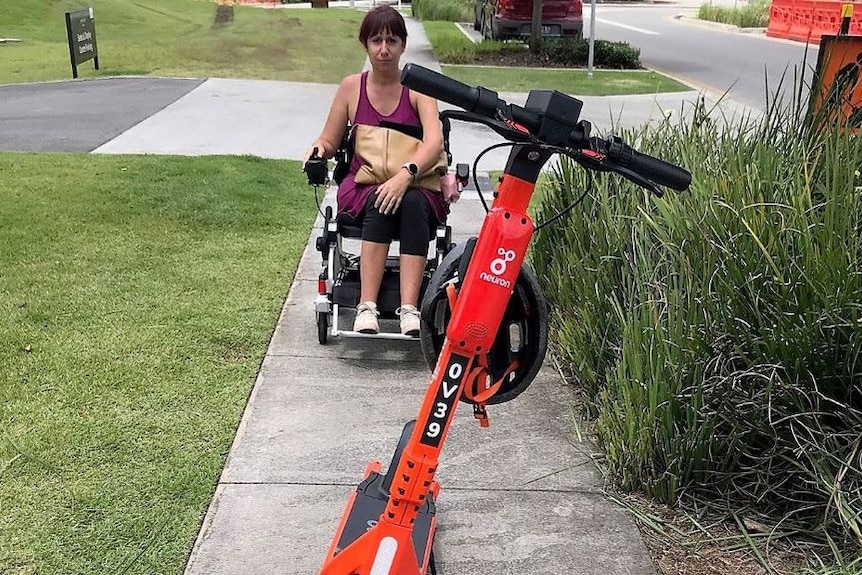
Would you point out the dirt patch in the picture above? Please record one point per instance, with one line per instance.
(680, 546)
(520, 59)
(223, 16)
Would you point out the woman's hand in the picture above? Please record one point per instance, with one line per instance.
(390, 192)
(321, 152)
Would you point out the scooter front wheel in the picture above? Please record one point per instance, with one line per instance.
(523, 333)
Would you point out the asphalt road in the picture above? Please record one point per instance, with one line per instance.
(81, 116)
(707, 57)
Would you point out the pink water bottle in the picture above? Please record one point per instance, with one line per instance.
(449, 187)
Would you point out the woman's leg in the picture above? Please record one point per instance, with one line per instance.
(415, 226)
(377, 233)
(412, 268)
(372, 261)
(415, 234)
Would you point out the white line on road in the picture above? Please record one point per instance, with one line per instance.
(626, 26)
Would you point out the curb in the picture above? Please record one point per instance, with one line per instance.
(695, 21)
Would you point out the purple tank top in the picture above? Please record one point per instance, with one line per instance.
(352, 197)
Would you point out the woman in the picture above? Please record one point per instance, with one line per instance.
(394, 208)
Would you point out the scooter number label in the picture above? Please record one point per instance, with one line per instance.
(444, 402)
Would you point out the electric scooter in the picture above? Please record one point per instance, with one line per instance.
(389, 522)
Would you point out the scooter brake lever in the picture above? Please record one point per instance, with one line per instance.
(638, 179)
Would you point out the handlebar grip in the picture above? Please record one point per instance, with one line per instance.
(473, 99)
(653, 169)
(660, 172)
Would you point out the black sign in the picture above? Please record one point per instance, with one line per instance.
(81, 31)
(444, 402)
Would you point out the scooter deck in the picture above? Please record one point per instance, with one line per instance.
(369, 503)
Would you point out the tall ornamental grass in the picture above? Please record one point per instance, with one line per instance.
(752, 15)
(715, 333)
(445, 10)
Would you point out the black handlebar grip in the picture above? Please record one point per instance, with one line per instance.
(439, 86)
(660, 172)
(473, 99)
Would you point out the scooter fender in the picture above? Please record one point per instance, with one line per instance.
(490, 280)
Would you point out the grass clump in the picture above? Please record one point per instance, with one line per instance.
(444, 10)
(451, 46)
(716, 333)
(138, 296)
(753, 15)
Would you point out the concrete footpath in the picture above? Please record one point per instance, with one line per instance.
(522, 497)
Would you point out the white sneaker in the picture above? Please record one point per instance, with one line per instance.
(409, 320)
(366, 318)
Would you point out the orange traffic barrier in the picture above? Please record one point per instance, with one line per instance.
(808, 20)
(780, 12)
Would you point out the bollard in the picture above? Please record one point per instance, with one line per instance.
(846, 16)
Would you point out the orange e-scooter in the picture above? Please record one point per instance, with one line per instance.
(389, 522)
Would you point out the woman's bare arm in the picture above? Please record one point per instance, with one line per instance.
(432, 132)
(336, 122)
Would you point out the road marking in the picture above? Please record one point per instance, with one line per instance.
(627, 27)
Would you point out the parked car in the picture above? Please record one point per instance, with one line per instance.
(504, 19)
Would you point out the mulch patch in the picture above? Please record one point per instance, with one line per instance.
(519, 59)
(223, 15)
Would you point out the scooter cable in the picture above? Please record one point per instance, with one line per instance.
(555, 149)
(570, 207)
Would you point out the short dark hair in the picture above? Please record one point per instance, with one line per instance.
(382, 19)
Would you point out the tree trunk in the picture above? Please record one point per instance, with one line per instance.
(536, 27)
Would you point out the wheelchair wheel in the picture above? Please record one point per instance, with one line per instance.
(522, 337)
(322, 328)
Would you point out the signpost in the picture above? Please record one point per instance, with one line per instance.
(81, 31)
(836, 99)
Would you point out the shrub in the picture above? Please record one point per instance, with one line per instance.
(443, 10)
(716, 334)
(453, 47)
(754, 15)
(568, 52)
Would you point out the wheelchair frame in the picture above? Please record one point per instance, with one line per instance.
(338, 283)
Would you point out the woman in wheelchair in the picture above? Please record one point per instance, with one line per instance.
(403, 203)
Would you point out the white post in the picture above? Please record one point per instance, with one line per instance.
(592, 50)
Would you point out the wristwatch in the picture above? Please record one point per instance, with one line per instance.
(413, 169)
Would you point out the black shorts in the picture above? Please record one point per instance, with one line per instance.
(413, 224)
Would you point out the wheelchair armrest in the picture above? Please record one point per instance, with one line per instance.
(348, 227)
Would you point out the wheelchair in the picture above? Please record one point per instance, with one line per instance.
(338, 283)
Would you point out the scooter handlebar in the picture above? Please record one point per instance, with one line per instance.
(660, 172)
(650, 167)
(474, 99)
(486, 103)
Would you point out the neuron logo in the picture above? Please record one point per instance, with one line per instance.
(498, 267)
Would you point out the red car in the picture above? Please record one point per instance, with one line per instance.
(503, 19)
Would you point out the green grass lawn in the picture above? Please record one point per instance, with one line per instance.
(138, 295)
(575, 82)
(178, 38)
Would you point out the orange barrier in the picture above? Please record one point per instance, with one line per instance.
(808, 20)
